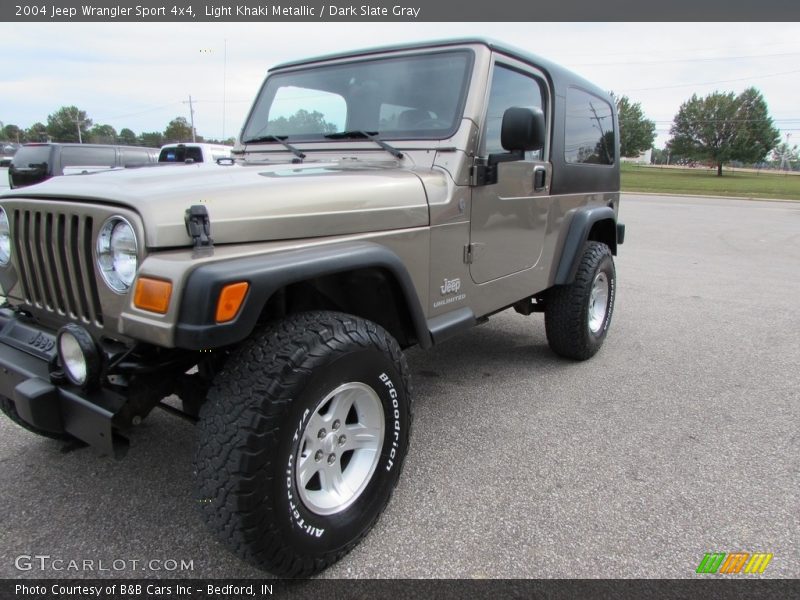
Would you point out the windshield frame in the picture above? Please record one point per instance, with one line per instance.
(396, 134)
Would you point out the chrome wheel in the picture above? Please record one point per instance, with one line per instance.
(598, 302)
(340, 448)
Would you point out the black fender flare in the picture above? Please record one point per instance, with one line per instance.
(197, 329)
(579, 228)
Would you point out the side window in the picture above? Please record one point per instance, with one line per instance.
(589, 136)
(135, 157)
(509, 88)
(75, 156)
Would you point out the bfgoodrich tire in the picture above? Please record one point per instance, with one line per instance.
(302, 440)
(577, 315)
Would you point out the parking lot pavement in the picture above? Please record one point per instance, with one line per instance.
(679, 438)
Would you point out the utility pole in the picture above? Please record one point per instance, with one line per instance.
(224, 78)
(78, 123)
(191, 116)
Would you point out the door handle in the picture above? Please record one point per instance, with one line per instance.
(539, 179)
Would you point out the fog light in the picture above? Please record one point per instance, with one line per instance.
(78, 355)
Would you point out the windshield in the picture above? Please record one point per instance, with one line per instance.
(396, 98)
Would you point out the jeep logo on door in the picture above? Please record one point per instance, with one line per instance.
(450, 286)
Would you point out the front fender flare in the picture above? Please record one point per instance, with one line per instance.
(267, 273)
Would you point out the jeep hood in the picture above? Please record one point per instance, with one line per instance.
(255, 202)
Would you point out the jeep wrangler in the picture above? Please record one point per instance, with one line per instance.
(380, 199)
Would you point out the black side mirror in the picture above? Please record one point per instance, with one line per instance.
(522, 129)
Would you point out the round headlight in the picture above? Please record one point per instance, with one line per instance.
(5, 238)
(117, 254)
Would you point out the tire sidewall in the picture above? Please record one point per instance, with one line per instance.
(605, 264)
(323, 533)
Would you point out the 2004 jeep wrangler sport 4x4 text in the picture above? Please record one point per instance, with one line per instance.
(379, 199)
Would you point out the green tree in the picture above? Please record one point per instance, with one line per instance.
(127, 137)
(12, 133)
(36, 133)
(757, 134)
(178, 130)
(103, 134)
(301, 122)
(636, 134)
(64, 124)
(153, 139)
(722, 127)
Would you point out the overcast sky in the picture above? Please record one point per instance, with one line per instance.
(140, 75)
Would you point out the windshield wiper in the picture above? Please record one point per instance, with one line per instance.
(370, 135)
(281, 140)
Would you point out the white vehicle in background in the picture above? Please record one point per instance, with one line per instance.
(194, 153)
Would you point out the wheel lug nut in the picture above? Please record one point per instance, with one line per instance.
(322, 433)
(331, 459)
(318, 456)
(336, 424)
(342, 440)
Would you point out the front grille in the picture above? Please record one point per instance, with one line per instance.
(54, 255)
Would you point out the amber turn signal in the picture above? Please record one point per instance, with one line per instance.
(230, 301)
(152, 294)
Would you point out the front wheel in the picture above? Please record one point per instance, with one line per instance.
(577, 315)
(8, 408)
(302, 440)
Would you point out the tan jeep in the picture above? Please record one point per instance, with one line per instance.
(380, 199)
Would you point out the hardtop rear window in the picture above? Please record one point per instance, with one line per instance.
(181, 154)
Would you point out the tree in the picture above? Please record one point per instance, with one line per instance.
(11, 133)
(36, 133)
(636, 134)
(103, 134)
(64, 124)
(178, 130)
(722, 127)
(757, 135)
(301, 122)
(153, 139)
(126, 137)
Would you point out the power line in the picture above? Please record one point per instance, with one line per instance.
(666, 87)
(681, 60)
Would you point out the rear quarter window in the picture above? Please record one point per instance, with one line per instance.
(74, 156)
(132, 157)
(589, 136)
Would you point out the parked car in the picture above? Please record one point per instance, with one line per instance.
(194, 152)
(34, 163)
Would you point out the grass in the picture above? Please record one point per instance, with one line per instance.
(704, 182)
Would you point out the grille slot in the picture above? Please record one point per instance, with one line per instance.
(54, 252)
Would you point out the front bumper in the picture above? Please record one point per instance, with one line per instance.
(27, 360)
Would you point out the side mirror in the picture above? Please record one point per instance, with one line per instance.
(522, 129)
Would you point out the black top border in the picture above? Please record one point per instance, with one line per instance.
(534, 11)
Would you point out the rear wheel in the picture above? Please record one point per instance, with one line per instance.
(577, 315)
(302, 440)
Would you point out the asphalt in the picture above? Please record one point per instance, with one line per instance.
(679, 438)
